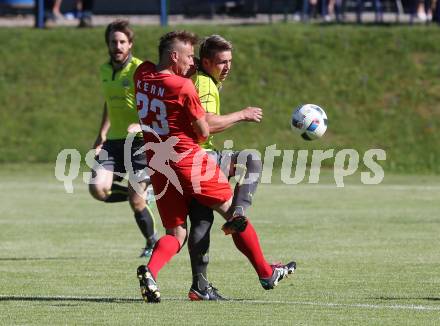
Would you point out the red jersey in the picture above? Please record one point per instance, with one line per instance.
(181, 170)
(168, 104)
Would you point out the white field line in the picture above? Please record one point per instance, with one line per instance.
(236, 301)
(344, 305)
(333, 186)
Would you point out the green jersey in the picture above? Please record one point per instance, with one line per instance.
(118, 87)
(210, 99)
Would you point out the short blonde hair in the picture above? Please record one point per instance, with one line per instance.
(212, 44)
(168, 40)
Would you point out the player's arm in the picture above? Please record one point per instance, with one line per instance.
(201, 128)
(105, 126)
(218, 123)
(195, 111)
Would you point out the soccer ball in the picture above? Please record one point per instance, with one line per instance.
(310, 121)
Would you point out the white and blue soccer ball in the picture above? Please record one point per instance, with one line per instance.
(310, 121)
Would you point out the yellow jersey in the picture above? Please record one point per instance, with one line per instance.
(118, 88)
(209, 96)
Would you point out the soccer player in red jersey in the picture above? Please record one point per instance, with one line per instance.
(173, 124)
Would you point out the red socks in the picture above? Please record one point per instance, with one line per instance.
(163, 251)
(247, 242)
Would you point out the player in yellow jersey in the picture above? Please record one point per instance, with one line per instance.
(213, 68)
(120, 118)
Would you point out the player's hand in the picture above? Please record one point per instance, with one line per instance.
(98, 149)
(134, 128)
(98, 144)
(252, 114)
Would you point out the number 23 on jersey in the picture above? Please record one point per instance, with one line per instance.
(157, 107)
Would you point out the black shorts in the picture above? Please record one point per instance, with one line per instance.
(226, 161)
(115, 156)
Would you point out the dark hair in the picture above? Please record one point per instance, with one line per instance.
(119, 25)
(168, 40)
(212, 44)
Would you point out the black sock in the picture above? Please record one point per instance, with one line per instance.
(201, 218)
(152, 239)
(118, 193)
(145, 222)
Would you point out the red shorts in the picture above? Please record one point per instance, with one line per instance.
(198, 177)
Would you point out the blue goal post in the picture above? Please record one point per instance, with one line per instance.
(39, 13)
(163, 13)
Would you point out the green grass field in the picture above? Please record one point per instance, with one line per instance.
(366, 255)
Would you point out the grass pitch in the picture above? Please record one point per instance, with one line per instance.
(366, 255)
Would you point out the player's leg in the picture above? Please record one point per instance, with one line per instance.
(138, 183)
(101, 185)
(243, 233)
(216, 193)
(201, 218)
(103, 189)
(167, 247)
(246, 167)
(173, 210)
(218, 196)
(246, 240)
(143, 215)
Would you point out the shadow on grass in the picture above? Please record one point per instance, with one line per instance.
(61, 299)
(408, 298)
(56, 299)
(37, 258)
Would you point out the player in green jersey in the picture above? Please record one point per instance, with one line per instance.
(214, 66)
(119, 119)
